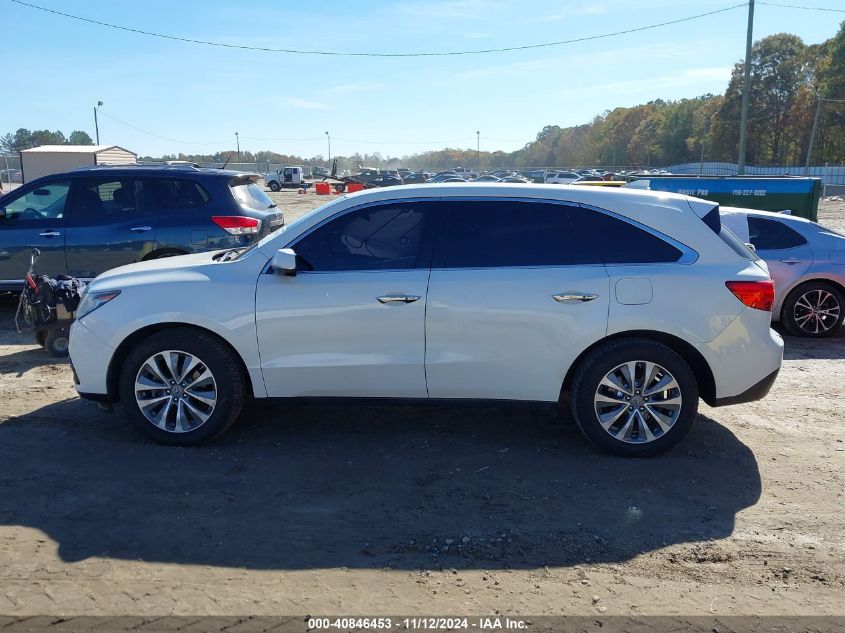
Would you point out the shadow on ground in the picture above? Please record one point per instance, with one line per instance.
(320, 486)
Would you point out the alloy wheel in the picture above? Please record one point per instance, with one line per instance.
(638, 402)
(816, 311)
(175, 391)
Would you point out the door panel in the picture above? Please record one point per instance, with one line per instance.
(786, 266)
(352, 321)
(327, 333)
(108, 225)
(499, 333)
(35, 219)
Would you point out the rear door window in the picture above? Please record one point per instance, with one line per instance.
(772, 235)
(175, 194)
(490, 234)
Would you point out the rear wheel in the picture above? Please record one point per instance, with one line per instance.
(182, 387)
(634, 398)
(274, 186)
(814, 309)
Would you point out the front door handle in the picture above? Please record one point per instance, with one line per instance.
(791, 261)
(398, 298)
(141, 229)
(574, 298)
(50, 234)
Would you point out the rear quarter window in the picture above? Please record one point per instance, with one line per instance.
(174, 194)
(602, 238)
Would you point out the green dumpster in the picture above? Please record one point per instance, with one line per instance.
(768, 193)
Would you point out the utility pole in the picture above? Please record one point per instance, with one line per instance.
(813, 134)
(96, 123)
(746, 91)
(478, 149)
(238, 145)
(329, 139)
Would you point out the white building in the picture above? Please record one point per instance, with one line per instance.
(52, 159)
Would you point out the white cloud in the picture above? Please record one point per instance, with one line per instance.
(304, 104)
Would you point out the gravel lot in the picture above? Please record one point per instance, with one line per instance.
(389, 509)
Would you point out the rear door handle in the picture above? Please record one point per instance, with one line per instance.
(141, 229)
(574, 298)
(50, 234)
(791, 260)
(398, 298)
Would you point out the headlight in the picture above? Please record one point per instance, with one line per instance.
(93, 300)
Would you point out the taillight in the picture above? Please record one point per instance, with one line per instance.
(237, 224)
(759, 295)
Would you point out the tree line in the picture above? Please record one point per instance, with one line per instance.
(789, 79)
(12, 143)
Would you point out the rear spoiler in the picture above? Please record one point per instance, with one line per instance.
(243, 179)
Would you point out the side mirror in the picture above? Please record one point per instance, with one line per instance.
(751, 247)
(2, 212)
(284, 262)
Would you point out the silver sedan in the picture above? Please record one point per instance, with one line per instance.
(807, 263)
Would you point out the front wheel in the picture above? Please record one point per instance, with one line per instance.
(274, 186)
(634, 397)
(814, 309)
(182, 387)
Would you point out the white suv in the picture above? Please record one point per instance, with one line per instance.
(634, 303)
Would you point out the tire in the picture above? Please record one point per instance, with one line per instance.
(274, 186)
(56, 343)
(193, 421)
(626, 437)
(797, 315)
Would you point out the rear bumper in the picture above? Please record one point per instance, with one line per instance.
(755, 392)
(745, 359)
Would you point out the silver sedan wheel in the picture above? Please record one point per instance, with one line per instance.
(816, 311)
(638, 402)
(175, 391)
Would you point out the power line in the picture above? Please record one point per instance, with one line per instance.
(795, 6)
(451, 140)
(166, 138)
(374, 54)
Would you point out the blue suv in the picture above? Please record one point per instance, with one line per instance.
(92, 219)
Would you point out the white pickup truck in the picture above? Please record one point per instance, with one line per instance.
(285, 177)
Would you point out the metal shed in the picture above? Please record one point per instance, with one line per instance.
(52, 159)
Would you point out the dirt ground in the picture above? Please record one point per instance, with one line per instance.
(318, 509)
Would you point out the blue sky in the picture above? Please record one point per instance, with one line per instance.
(55, 69)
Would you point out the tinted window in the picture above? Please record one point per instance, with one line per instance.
(599, 237)
(106, 198)
(250, 195)
(383, 237)
(174, 194)
(500, 233)
(772, 235)
(47, 202)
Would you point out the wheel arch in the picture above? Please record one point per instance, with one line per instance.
(128, 344)
(164, 252)
(697, 363)
(806, 280)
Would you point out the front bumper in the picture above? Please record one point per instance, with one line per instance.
(90, 358)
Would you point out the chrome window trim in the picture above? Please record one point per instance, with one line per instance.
(688, 255)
